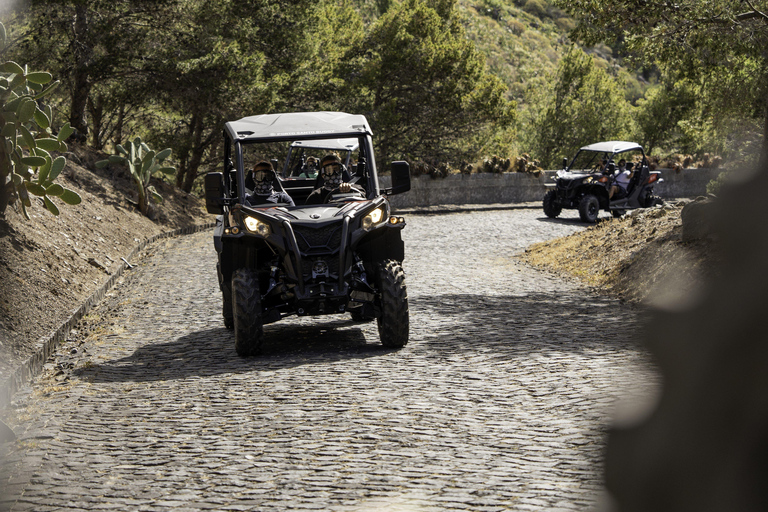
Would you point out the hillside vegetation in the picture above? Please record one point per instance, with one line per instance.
(443, 82)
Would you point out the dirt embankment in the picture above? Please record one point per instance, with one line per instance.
(50, 265)
(640, 257)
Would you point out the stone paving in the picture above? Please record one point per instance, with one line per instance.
(500, 401)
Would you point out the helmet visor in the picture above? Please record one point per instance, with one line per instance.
(262, 175)
(331, 169)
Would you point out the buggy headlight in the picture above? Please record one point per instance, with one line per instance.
(254, 225)
(373, 218)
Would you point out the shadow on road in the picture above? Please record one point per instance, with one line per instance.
(212, 352)
(508, 326)
(575, 221)
(516, 326)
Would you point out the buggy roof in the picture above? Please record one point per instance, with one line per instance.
(304, 125)
(612, 146)
(334, 144)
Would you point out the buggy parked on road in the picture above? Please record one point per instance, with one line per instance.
(586, 183)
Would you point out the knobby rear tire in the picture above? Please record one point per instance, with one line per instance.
(551, 209)
(589, 208)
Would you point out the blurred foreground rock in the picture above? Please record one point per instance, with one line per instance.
(704, 447)
(699, 219)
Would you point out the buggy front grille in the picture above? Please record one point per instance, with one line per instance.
(321, 240)
(319, 244)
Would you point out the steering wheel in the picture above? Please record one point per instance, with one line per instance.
(330, 195)
(352, 194)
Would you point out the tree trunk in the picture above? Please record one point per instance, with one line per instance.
(118, 133)
(82, 85)
(197, 154)
(96, 109)
(184, 151)
(762, 164)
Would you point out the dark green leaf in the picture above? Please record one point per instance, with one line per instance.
(162, 155)
(33, 161)
(34, 188)
(48, 90)
(29, 140)
(56, 167)
(26, 110)
(70, 197)
(65, 132)
(11, 67)
(48, 144)
(54, 190)
(39, 77)
(155, 196)
(51, 206)
(42, 120)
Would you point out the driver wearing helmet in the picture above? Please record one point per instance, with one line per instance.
(333, 175)
(264, 191)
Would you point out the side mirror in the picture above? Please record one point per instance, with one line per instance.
(274, 163)
(565, 163)
(214, 192)
(401, 178)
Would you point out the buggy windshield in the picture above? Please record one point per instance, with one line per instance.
(587, 161)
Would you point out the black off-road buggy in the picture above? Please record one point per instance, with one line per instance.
(586, 182)
(275, 260)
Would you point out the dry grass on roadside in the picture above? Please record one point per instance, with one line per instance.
(630, 257)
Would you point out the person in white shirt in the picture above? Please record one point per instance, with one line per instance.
(621, 181)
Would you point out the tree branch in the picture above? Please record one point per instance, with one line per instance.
(753, 14)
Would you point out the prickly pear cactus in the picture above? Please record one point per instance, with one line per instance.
(143, 163)
(27, 165)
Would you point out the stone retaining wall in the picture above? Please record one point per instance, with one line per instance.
(513, 187)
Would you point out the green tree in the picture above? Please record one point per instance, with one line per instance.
(94, 43)
(718, 44)
(424, 84)
(247, 59)
(583, 105)
(660, 112)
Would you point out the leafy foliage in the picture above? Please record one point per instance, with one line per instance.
(583, 104)
(718, 45)
(27, 165)
(425, 84)
(143, 164)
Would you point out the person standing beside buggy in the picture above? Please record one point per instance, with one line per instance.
(334, 178)
(264, 191)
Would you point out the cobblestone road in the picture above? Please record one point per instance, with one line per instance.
(500, 400)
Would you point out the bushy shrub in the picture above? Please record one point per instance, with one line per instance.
(538, 8)
(496, 164)
(435, 171)
(524, 163)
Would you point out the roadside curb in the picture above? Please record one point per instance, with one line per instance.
(32, 366)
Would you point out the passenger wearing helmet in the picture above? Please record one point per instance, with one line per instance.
(264, 191)
(310, 168)
(333, 175)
